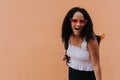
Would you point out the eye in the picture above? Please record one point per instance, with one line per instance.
(82, 21)
(74, 20)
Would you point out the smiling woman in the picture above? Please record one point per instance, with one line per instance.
(82, 54)
(77, 23)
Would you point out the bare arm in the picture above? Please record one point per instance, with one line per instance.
(94, 53)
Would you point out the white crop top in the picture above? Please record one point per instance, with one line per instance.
(79, 57)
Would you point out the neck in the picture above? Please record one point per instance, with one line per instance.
(75, 36)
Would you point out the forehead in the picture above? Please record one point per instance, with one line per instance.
(78, 15)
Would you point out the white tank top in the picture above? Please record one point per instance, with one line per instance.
(79, 57)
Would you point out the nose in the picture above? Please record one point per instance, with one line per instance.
(78, 23)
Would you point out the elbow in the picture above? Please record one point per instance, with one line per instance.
(96, 66)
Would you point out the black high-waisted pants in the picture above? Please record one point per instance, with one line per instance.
(80, 75)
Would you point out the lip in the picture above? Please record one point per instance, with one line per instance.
(77, 28)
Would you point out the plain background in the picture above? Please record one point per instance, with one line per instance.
(30, 37)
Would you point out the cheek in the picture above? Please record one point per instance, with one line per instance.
(82, 26)
(72, 25)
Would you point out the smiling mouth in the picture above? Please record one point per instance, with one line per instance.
(77, 28)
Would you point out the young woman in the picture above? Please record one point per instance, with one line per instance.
(82, 52)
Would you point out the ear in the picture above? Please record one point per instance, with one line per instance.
(100, 37)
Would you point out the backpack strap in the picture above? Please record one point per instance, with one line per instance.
(100, 38)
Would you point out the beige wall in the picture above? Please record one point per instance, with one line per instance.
(30, 43)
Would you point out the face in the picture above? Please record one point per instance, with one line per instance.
(77, 23)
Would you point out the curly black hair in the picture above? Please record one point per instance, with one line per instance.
(87, 31)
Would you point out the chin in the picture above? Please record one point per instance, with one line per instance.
(76, 34)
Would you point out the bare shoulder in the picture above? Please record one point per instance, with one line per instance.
(93, 43)
(93, 49)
